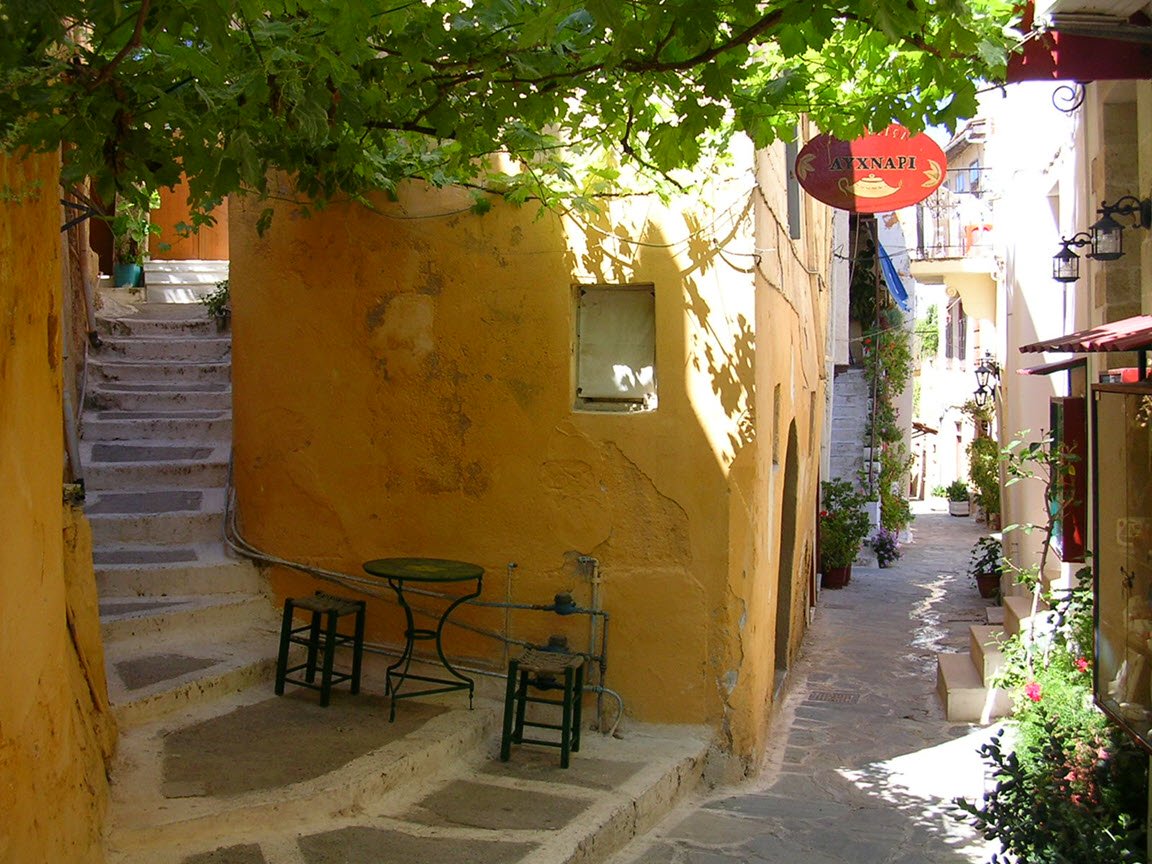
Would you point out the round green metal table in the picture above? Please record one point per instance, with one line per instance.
(431, 571)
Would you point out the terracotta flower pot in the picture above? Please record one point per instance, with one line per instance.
(835, 577)
(988, 584)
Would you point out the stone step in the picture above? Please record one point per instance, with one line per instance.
(135, 570)
(122, 466)
(206, 271)
(101, 371)
(428, 787)
(171, 426)
(179, 349)
(160, 516)
(154, 674)
(194, 321)
(985, 643)
(188, 293)
(1018, 612)
(124, 618)
(965, 698)
(205, 396)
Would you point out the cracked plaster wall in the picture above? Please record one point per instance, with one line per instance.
(56, 733)
(403, 386)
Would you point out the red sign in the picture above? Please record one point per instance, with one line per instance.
(873, 174)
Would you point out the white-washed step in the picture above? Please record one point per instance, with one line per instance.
(174, 349)
(159, 371)
(173, 426)
(151, 676)
(123, 618)
(135, 476)
(136, 571)
(965, 698)
(985, 645)
(203, 270)
(158, 813)
(156, 516)
(148, 397)
(194, 321)
(180, 292)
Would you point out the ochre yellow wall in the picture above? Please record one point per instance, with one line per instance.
(403, 386)
(55, 729)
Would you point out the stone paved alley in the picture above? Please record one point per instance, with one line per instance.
(864, 766)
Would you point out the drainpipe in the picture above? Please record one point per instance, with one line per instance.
(71, 432)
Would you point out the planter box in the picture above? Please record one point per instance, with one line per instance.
(959, 508)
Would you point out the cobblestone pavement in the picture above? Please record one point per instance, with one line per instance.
(862, 765)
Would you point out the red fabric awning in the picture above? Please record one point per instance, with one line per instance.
(1127, 334)
(1049, 368)
(1054, 56)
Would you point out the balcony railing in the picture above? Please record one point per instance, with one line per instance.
(955, 221)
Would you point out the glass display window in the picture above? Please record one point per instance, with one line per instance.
(1122, 461)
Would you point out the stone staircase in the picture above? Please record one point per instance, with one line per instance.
(182, 281)
(965, 681)
(211, 766)
(851, 404)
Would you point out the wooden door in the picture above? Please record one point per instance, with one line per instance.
(209, 243)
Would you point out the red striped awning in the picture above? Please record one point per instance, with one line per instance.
(1049, 368)
(1127, 334)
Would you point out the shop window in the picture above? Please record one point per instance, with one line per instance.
(1122, 500)
(616, 347)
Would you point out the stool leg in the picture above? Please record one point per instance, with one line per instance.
(521, 705)
(313, 644)
(509, 708)
(577, 707)
(357, 649)
(566, 721)
(285, 645)
(329, 658)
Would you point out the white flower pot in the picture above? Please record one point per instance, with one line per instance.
(959, 508)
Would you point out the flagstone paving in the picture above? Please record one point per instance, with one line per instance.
(863, 767)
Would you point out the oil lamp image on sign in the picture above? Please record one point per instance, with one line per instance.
(872, 174)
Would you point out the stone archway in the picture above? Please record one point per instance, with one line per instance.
(787, 559)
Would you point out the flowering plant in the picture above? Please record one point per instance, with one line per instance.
(884, 544)
(843, 524)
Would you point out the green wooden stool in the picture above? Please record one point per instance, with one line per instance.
(543, 670)
(320, 641)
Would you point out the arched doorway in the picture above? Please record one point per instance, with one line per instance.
(786, 563)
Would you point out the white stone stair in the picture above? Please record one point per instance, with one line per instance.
(965, 680)
(182, 281)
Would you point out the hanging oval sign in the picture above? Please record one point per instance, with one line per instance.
(873, 174)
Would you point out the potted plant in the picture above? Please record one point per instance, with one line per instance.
(985, 565)
(219, 304)
(958, 502)
(131, 228)
(884, 544)
(844, 524)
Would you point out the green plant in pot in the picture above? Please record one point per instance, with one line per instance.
(844, 525)
(131, 227)
(985, 564)
(219, 304)
(958, 498)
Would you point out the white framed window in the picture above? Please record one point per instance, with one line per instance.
(615, 348)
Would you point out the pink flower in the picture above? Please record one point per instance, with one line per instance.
(823, 514)
(1033, 691)
(1081, 664)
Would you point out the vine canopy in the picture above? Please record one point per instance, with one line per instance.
(528, 98)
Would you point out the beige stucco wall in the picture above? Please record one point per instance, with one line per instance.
(55, 729)
(403, 386)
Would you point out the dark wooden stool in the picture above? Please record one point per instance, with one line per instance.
(320, 639)
(543, 670)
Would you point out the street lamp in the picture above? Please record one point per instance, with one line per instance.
(987, 376)
(1105, 236)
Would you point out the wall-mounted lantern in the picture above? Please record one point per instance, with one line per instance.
(987, 377)
(1106, 236)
